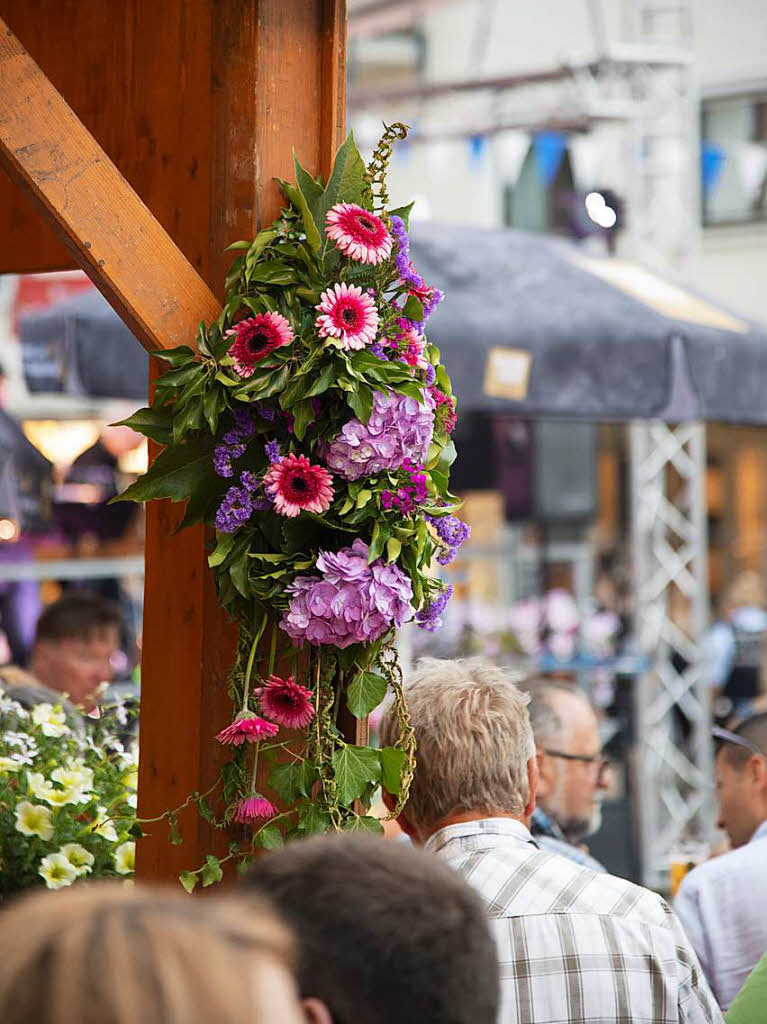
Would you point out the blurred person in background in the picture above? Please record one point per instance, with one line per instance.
(106, 954)
(723, 903)
(735, 648)
(385, 933)
(76, 640)
(574, 945)
(572, 774)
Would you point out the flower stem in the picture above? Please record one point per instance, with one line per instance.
(255, 769)
(248, 673)
(273, 649)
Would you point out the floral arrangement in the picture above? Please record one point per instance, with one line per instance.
(311, 427)
(67, 799)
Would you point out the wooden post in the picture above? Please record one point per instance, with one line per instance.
(276, 71)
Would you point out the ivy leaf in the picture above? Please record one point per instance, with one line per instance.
(289, 781)
(189, 880)
(392, 760)
(312, 819)
(345, 184)
(176, 473)
(354, 768)
(363, 823)
(365, 693)
(155, 422)
(269, 837)
(212, 872)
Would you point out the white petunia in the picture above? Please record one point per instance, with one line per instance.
(34, 820)
(9, 764)
(57, 871)
(80, 858)
(39, 786)
(103, 826)
(75, 776)
(52, 720)
(125, 858)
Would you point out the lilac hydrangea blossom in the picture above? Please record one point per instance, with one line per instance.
(430, 617)
(399, 428)
(351, 602)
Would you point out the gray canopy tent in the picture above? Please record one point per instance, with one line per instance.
(535, 327)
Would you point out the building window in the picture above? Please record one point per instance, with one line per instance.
(734, 158)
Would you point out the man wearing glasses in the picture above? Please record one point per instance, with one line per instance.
(723, 903)
(572, 771)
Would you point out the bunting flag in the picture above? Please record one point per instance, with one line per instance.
(549, 148)
(511, 148)
(712, 161)
(751, 159)
(477, 146)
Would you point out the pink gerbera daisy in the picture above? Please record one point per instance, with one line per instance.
(294, 484)
(253, 807)
(287, 703)
(248, 728)
(348, 314)
(255, 338)
(358, 233)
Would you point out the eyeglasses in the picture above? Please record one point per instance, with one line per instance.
(594, 760)
(740, 741)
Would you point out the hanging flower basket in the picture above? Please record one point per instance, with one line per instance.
(312, 428)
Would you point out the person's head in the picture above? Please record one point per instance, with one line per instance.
(385, 932)
(741, 778)
(475, 750)
(74, 644)
(571, 772)
(107, 954)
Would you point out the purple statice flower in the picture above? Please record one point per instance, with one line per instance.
(222, 460)
(430, 617)
(431, 304)
(249, 480)
(272, 450)
(377, 349)
(265, 412)
(232, 444)
(317, 406)
(399, 428)
(235, 509)
(402, 259)
(431, 374)
(453, 532)
(244, 427)
(410, 494)
(351, 602)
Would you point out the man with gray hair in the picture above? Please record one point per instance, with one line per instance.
(572, 774)
(573, 945)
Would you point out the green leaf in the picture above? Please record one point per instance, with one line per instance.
(365, 693)
(175, 356)
(297, 198)
(413, 309)
(312, 819)
(273, 272)
(303, 416)
(136, 831)
(393, 548)
(363, 498)
(269, 837)
(404, 213)
(291, 780)
(175, 836)
(212, 872)
(175, 473)
(155, 422)
(236, 246)
(213, 403)
(187, 419)
(189, 880)
(392, 760)
(354, 768)
(363, 823)
(361, 402)
(224, 544)
(178, 378)
(311, 189)
(346, 182)
(324, 381)
(379, 539)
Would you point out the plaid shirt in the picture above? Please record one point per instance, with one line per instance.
(575, 947)
(550, 838)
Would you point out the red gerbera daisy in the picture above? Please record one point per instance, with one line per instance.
(255, 338)
(248, 728)
(287, 703)
(253, 807)
(294, 483)
(348, 314)
(358, 233)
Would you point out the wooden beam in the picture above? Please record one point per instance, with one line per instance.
(111, 233)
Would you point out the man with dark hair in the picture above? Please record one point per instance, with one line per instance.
(386, 933)
(77, 637)
(723, 903)
(572, 774)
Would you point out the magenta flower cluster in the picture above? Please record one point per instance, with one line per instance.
(409, 494)
(399, 428)
(352, 602)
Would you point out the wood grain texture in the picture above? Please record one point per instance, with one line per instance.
(92, 208)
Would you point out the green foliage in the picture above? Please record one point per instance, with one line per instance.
(354, 768)
(365, 693)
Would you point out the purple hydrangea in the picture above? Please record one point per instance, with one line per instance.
(453, 532)
(351, 602)
(399, 428)
(235, 509)
(430, 617)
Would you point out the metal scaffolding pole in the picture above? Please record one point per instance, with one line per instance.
(674, 769)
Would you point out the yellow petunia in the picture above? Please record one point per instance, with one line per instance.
(80, 858)
(125, 858)
(57, 871)
(52, 720)
(103, 826)
(34, 820)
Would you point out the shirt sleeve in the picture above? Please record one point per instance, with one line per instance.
(697, 1004)
(750, 1002)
